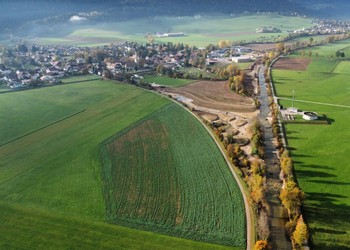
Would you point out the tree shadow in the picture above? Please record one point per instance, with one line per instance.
(302, 155)
(328, 231)
(312, 174)
(330, 182)
(295, 138)
(289, 132)
(325, 118)
(298, 162)
(291, 148)
(331, 218)
(317, 166)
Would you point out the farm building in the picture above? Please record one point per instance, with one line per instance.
(242, 59)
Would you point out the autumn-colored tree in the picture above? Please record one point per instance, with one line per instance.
(292, 198)
(280, 47)
(257, 188)
(290, 227)
(234, 150)
(263, 225)
(255, 167)
(287, 165)
(238, 83)
(261, 245)
(223, 44)
(310, 54)
(232, 69)
(150, 38)
(300, 234)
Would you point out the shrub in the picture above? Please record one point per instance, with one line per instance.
(261, 245)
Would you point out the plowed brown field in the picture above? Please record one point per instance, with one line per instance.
(215, 95)
(292, 64)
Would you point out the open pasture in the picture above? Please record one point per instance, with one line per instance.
(51, 188)
(54, 165)
(320, 153)
(200, 30)
(167, 81)
(343, 67)
(157, 177)
(30, 228)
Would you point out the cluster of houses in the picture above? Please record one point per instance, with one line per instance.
(43, 65)
(269, 29)
(37, 65)
(237, 54)
(325, 27)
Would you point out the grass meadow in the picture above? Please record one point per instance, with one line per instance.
(167, 81)
(201, 30)
(320, 152)
(169, 184)
(51, 192)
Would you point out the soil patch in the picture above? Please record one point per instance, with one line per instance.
(215, 95)
(292, 64)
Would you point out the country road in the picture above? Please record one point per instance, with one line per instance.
(278, 215)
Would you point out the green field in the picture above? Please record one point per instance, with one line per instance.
(201, 30)
(161, 188)
(342, 68)
(320, 152)
(167, 81)
(51, 192)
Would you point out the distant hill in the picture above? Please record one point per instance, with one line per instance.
(17, 13)
(326, 8)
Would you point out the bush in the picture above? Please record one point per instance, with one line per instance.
(261, 245)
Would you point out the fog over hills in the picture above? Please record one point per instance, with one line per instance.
(22, 15)
(326, 8)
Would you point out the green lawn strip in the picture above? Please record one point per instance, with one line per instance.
(28, 228)
(320, 152)
(161, 188)
(167, 81)
(82, 78)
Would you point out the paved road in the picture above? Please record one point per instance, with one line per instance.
(278, 215)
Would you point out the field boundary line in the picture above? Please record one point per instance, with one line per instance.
(46, 126)
(319, 103)
(335, 66)
(133, 125)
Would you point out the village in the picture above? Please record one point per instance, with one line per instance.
(27, 66)
(30, 65)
